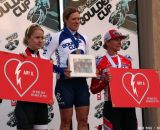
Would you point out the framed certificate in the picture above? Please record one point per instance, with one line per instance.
(82, 65)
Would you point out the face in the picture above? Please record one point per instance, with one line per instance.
(73, 21)
(114, 44)
(36, 40)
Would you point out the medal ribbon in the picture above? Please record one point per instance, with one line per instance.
(75, 41)
(112, 62)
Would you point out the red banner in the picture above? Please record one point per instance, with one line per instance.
(25, 78)
(134, 88)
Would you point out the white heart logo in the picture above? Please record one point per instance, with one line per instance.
(12, 70)
(136, 85)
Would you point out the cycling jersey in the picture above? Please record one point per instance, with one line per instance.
(62, 45)
(68, 91)
(113, 118)
(98, 84)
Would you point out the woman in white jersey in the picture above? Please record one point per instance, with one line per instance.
(70, 92)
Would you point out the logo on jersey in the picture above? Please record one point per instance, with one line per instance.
(69, 45)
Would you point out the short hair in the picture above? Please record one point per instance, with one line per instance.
(67, 12)
(105, 44)
(29, 31)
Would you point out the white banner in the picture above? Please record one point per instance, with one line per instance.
(15, 17)
(97, 17)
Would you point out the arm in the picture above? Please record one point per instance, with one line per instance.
(87, 45)
(52, 46)
(49, 51)
(97, 85)
(57, 69)
(103, 76)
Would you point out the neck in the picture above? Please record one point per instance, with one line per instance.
(111, 52)
(72, 31)
(33, 51)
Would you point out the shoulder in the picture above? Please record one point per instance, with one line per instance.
(62, 35)
(102, 63)
(125, 59)
(55, 38)
(83, 37)
(101, 60)
(43, 57)
(56, 35)
(98, 59)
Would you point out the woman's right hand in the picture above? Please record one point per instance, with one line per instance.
(23, 55)
(108, 77)
(67, 73)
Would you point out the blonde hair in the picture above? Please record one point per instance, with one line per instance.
(29, 31)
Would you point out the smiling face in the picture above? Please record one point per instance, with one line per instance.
(73, 21)
(71, 18)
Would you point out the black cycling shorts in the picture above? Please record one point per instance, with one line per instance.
(119, 118)
(73, 91)
(30, 115)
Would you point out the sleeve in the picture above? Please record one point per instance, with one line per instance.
(98, 83)
(50, 49)
(87, 45)
(130, 64)
(52, 46)
(57, 69)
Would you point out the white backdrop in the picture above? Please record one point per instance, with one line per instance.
(97, 16)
